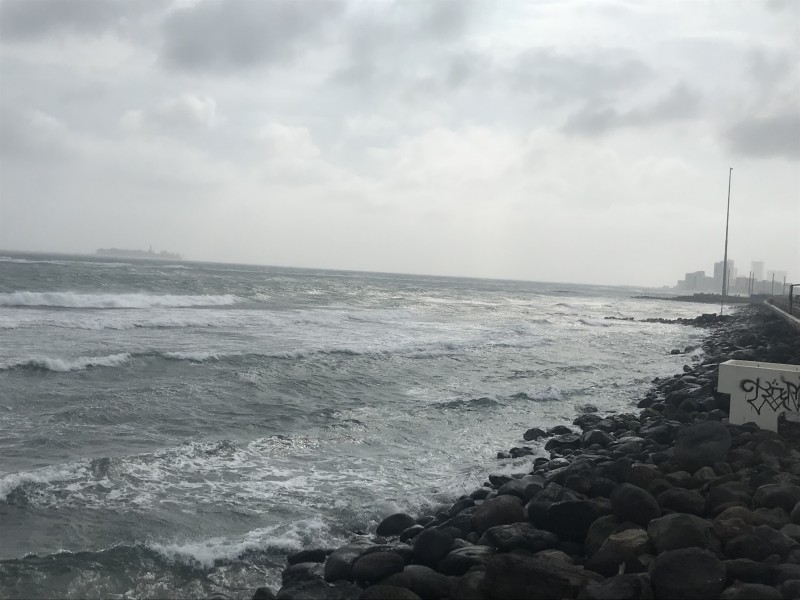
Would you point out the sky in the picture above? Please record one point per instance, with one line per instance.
(584, 141)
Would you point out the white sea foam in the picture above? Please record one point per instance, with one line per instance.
(45, 475)
(596, 322)
(279, 538)
(192, 356)
(64, 365)
(75, 300)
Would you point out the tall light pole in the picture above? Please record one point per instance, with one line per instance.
(725, 258)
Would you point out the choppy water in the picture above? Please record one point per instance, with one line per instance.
(175, 429)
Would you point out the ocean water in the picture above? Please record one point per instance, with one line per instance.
(174, 429)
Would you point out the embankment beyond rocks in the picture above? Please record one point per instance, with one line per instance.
(672, 502)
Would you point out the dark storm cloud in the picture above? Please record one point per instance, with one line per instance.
(766, 137)
(216, 34)
(34, 19)
(680, 103)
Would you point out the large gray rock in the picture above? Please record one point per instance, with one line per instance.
(777, 495)
(679, 530)
(570, 520)
(502, 510)
(459, 561)
(631, 503)
(340, 563)
(701, 445)
(682, 501)
(751, 591)
(386, 592)
(620, 587)
(761, 543)
(518, 536)
(423, 581)
(533, 578)
(431, 546)
(687, 573)
(395, 524)
(377, 566)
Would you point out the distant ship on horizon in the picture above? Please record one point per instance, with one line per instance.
(123, 253)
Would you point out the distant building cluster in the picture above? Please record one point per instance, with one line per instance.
(756, 281)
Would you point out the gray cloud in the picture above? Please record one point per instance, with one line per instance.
(766, 137)
(679, 103)
(217, 35)
(33, 19)
(561, 76)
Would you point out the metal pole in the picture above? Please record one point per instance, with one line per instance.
(725, 258)
(772, 293)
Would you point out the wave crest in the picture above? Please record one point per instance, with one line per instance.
(74, 300)
(61, 365)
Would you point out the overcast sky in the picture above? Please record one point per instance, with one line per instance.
(571, 140)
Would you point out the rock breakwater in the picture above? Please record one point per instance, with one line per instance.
(669, 502)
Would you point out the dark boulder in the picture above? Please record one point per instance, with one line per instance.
(780, 495)
(679, 530)
(751, 591)
(619, 587)
(682, 500)
(263, 593)
(702, 444)
(423, 581)
(317, 555)
(515, 575)
(562, 442)
(377, 566)
(395, 524)
(387, 592)
(459, 561)
(411, 533)
(599, 531)
(302, 572)
(631, 503)
(570, 520)
(534, 433)
(595, 436)
(431, 546)
(790, 588)
(687, 573)
(502, 510)
(340, 563)
(518, 536)
(749, 571)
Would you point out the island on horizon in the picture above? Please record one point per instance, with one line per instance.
(124, 253)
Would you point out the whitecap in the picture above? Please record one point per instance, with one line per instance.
(75, 300)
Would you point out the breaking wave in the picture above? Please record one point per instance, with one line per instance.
(73, 300)
(64, 365)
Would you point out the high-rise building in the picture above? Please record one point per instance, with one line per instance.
(757, 267)
(718, 270)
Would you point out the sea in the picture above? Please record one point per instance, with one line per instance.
(174, 429)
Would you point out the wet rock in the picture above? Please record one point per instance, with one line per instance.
(750, 591)
(619, 587)
(502, 510)
(796, 514)
(595, 436)
(790, 588)
(760, 544)
(534, 433)
(682, 500)
(786, 572)
(599, 531)
(340, 563)
(679, 530)
(431, 546)
(524, 488)
(562, 442)
(411, 533)
(374, 567)
(462, 504)
(518, 576)
(469, 586)
(570, 520)
(785, 496)
(687, 573)
(631, 503)
(559, 430)
(395, 524)
(387, 592)
(517, 536)
(792, 531)
(263, 593)
(748, 571)
(702, 445)
(459, 561)
(642, 475)
(423, 581)
(772, 517)
(735, 512)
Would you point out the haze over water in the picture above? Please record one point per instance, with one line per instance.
(176, 428)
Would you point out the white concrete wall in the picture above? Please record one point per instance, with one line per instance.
(760, 392)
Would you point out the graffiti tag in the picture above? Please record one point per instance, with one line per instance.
(777, 395)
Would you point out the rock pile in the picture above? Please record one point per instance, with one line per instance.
(672, 502)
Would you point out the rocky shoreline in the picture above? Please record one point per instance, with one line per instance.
(672, 502)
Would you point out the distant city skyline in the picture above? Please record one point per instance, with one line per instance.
(755, 282)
